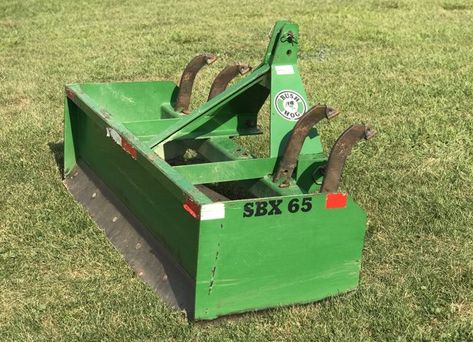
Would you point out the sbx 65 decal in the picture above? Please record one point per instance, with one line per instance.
(277, 207)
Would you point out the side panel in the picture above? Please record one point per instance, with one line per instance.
(256, 262)
(135, 183)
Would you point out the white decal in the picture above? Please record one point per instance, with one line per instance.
(290, 105)
(284, 70)
(212, 211)
(115, 136)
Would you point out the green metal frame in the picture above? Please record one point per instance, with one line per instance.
(237, 262)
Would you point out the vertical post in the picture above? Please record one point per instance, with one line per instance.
(288, 96)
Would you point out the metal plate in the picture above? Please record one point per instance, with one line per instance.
(146, 256)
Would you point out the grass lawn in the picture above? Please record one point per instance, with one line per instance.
(404, 67)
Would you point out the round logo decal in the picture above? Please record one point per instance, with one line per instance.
(290, 105)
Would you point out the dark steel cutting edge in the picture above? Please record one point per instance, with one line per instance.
(299, 133)
(187, 80)
(340, 151)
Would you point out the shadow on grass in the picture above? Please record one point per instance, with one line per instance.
(57, 149)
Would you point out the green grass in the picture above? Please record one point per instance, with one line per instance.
(404, 67)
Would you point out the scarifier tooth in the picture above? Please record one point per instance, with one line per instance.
(187, 80)
(339, 153)
(210, 58)
(331, 113)
(226, 76)
(244, 69)
(296, 140)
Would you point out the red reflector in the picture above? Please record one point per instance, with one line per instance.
(336, 200)
(127, 147)
(70, 94)
(192, 208)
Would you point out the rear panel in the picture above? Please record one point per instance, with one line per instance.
(277, 251)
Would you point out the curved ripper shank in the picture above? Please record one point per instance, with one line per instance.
(225, 76)
(187, 80)
(296, 140)
(340, 151)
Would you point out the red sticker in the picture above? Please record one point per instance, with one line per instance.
(125, 145)
(336, 200)
(192, 208)
(128, 148)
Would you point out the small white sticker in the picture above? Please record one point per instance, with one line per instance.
(284, 70)
(290, 105)
(212, 211)
(114, 135)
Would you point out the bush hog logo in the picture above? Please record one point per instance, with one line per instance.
(290, 105)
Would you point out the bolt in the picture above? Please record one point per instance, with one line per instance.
(284, 185)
